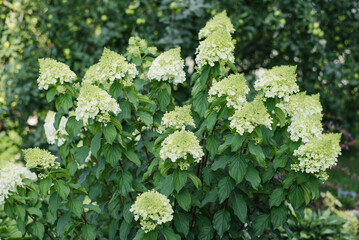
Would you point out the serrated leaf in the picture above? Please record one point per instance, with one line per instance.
(112, 153)
(81, 154)
(237, 168)
(296, 196)
(257, 151)
(110, 132)
(62, 189)
(51, 94)
(169, 234)
(237, 141)
(38, 230)
(179, 179)
(239, 206)
(64, 101)
(20, 212)
(253, 177)
(124, 230)
(45, 185)
(280, 162)
(163, 99)
(280, 115)
(54, 202)
(196, 181)
(276, 197)
(184, 199)
(182, 221)
(278, 216)
(34, 211)
(212, 145)
(261, 223)
(75, 206)
(220, 163)
(225, 187)
(88, 232)
(200, 103)
(268, 174)
(221, 222)
(132, 156)
(145, 117)
(96, 143)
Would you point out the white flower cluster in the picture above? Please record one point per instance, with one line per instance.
(218, 45)
(35, 157)
(280, 81)
(11, 176)
(95, 103)
(178, 145)
(218, 21)
(168, 66)
(250, 116)
(305, 127)
(54, 136)
(111, 66)
(152, 208)
(319, 154)
(53, 72)
(234, 87)
(179, 118)
(138, 46)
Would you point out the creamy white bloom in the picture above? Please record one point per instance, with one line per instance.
(11, 176)
(152, 209)
(95, 103)
(305, 127)
(53, 72)
(179, 118)
(168, 66)
(217, 22)
(319, 154)
(235, 89)
(54, 136)
(36, 157)
(278, 82)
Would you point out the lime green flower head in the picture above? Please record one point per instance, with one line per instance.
(219, 21)
(152, 209)
(95, 103)
(168, 66)
(179, 145)
(319, 154)
(235, 89)
(217, 47)
(179, 118)
(305, 127)
(138, 46)
(36, 157)
(53, 72)
(252, 115)
(278, 82)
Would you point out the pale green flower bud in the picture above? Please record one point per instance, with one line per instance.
(218, 21)
(36, 157)
(179, 118)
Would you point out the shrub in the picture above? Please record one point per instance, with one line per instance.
(135, 166)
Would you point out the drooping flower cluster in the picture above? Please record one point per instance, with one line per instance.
(219, 21)
(95, 103)
(138, 46)
(178, 145)
(280, 81)
(305, 127)
(179, 118)
(11, 176)
(111, 66)
(235, 89)
(36, 157)
(152, 209)
(250, 116)
(52, 135)
(319, 154)
(53, 72)
(168, 66)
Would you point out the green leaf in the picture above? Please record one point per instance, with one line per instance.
(132, 156)
(278, 216)
(88, 232)
(62, 222)
(81, 154)
(267, 134)
(204, 76)
(20, 212)
(280, 162)
(145, 117)
(257, 151)
(45, 185)
(96, 143)
(220, 163)
(252, 176)
(132, 96)
(110, 132)
(73, 126)
(200, 103)
(261, 223)
(38, 230)
(116, 123)
(211, 196)
(239, 206)
(196, 181)
(179, 179)
(221, 222)
(212, 144)
(268, 174)
(51, 94)
(237, 168)
(289, 180)
(115, 89)
(211, 120)
(225, 187)
(237, 141)
(182, 221)
(64, 101)
(124, 230)
(206, 233)
(280, 115)
(169, 234)
(124, 182)
(184, 199)
(166, 186)
(296, 196)
(34, 211)
(163, 99)
(276, 197)
(75, 206)
(62, 189)
(58, 116)
(54, 202)
(112, 153)
(94, 208)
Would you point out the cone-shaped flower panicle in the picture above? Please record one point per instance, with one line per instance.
(306, 127)
(219, 21)
(36, 157)
(179, 118)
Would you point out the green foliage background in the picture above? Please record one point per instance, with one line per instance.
(318, 36)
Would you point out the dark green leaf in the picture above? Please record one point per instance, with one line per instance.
(54, 202)
(237, 141)
(257, 151)
(276, 197)
(163, 99)
(179, 179)
(220, 163)
(296, 196)
(75, 206)
(239, 206)
(110, 132)
(81, 154)
(221, 222)
(38, 230)
(62, 189)
(88, 232)
(112, 153)
(182, 221)
(212, 144)
(64, 101)
(124, 230)
(51, 94)
(225, 187)
(45, 185)
(169, 234)
(34, 211)
(20, 212)
(200, 103)
(280, 115)
(237, 168)
(278, 216)
(280, 162)
(261, 223)
(184, 199)
(132, 156)
(145, 117)
(252, 176)
(96, 143)
(115, 90)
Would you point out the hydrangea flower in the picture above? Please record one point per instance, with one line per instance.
(319, 154)
(52, 135)
(152, 209)
(138, 46)
(301, 104)
(217, 47)
(111, 66)
(279, 82)
(179, 118)
(11, 176)
(218, 21)
(168, 66)
(35, 157)
(53, 72)
(95, 103)
(235, 89)
(250, 116)
(178, 145)
(305, 127)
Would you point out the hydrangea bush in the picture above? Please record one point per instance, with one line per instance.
(135, 164)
